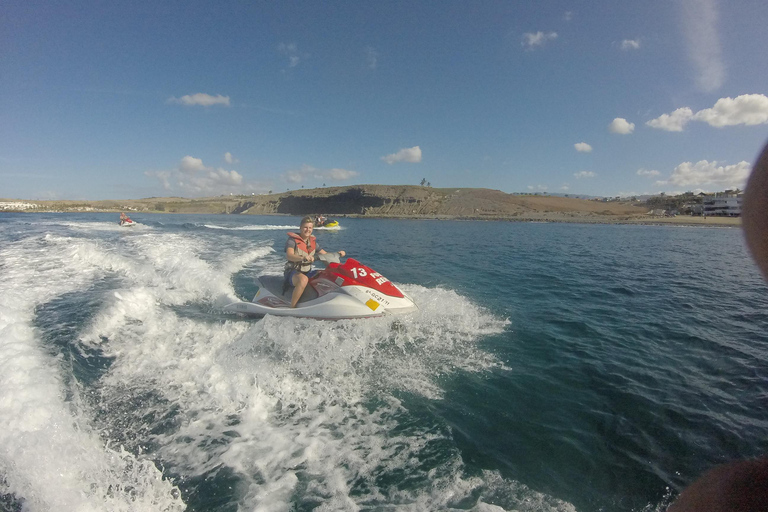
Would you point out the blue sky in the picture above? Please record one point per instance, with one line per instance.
(109, 100)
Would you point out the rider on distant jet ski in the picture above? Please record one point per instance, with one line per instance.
(300, 250)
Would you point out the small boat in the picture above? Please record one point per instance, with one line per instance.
(351, 290)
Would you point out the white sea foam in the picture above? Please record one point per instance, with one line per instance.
(300, 390)
(297, 409)
(49, 457)
(105, 227)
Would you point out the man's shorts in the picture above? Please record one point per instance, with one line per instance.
(289, 275)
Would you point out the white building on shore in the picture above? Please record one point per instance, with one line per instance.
(725, 204)
(17, 205)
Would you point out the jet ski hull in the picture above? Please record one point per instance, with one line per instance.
(333, 294)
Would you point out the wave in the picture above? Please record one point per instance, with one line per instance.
(52, 457)
(254, 227)
(99, 226)
(273, 414)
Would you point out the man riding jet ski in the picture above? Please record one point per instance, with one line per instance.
(125, 220)
(351, 290)
(300, 250)
(324, 223)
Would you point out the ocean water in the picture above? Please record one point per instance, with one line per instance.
(551, 367)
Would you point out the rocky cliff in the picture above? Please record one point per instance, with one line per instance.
(415, 201)
(370, 201)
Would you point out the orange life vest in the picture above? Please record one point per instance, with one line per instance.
(302, 250)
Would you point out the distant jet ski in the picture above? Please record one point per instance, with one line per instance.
(331, 224)
(326, 224)
(126, 221)
(351, 290)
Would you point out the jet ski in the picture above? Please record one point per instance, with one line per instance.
(329, 224)
(351, 290)
(125, 221)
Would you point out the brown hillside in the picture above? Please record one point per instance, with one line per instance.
(409, 200)
(393, 201)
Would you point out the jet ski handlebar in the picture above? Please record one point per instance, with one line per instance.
(329, 257)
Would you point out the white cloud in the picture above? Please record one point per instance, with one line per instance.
(584, 174)
(202, 99)
(293, 177)
(222, 177)
(565, 188)
(568, 16)
(622, 126)
(412, 155)
(307, 172)
(748, 109)
(371, 57)
(673, 122)
(228, 158)
(163, 176)
(709, 173)
(540, 188)
(340, 174)
(647, 172)
(198, 178)
(291, 51)
(700, 19)
(630, 44)
(190, 164)
(583, 147)
(193, 177)
(534, 39)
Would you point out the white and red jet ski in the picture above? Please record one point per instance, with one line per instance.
(351, 290)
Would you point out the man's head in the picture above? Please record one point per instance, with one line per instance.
(306, 226)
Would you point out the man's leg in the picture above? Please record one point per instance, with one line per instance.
(299, 281)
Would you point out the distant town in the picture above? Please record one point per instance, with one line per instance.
(715, 204)
(719, 204)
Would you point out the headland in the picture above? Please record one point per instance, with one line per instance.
(392, 201)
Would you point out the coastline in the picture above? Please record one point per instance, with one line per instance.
(543, 217)
(567, 218)
(389, 202)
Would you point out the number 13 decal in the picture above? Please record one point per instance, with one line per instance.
(359, 272)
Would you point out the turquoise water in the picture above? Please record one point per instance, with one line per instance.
(550, 367)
